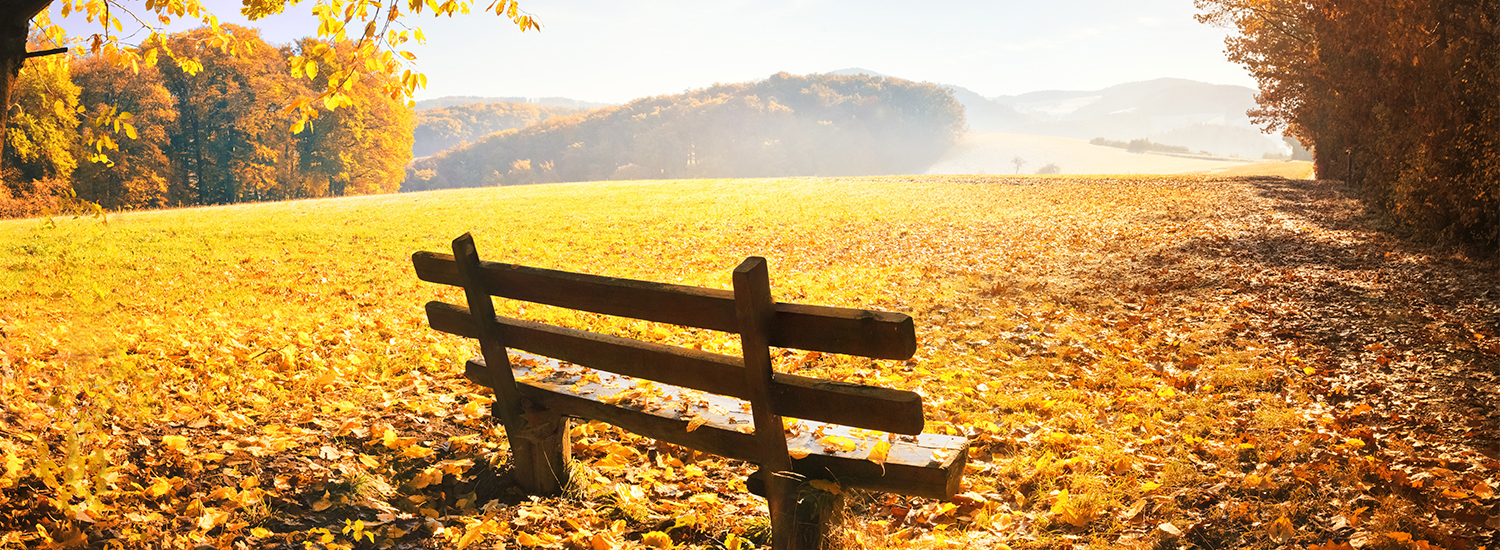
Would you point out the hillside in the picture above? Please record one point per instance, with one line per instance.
(785, 125)
(442, 128)
(982, 114)
(1138, 362)
(563, 102)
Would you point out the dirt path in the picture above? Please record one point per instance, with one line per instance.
(1405, 342)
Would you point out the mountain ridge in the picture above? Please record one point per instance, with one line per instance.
(1174, 111)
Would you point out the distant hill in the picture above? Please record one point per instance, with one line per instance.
(785, 125)
(1174, 111)
(982, 114)
(449, 101)
(443, 128)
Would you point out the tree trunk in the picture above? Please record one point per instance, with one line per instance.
(15, 22)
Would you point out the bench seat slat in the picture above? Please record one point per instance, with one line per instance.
(923, 465)
(876, 334)
(884, 409)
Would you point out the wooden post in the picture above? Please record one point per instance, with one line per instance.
(754, 310)
(539, 452)
(816, 517)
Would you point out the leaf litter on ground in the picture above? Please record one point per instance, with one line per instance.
(1139, 361)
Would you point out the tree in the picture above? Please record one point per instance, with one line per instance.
(43, 152)
(380, 29)
(136, 173)
(47, 117)
(1398, 97)
(1019, 162)
(231, 137)
(359, 149)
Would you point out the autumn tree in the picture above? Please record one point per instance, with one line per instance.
(1398, 97)
(41, 151)
(231, 134)
(362, 148)
(378, 32)
(136, 171)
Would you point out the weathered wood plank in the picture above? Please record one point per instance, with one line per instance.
(872, 407)
(867, 333)
(926, 465)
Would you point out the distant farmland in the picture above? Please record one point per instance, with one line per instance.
(994, 153)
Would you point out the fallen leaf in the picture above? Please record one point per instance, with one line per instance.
(831, 487)
(1281, 530)
(1482, 489)
(878, 453)
(322, 503)
(174, 442)
(657, 539)
(837, 443)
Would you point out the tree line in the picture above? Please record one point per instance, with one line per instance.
(785, 125)
(205, 126)
(1396, 96)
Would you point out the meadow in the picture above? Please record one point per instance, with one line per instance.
(1190, 361)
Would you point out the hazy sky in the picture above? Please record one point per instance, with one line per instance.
(614, 51)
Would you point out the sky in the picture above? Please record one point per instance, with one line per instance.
(611, 51)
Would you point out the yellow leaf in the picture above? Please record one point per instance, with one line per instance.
(696, 422)
(416, 451)
(1071, 512)
(473, 534)
(174, 442)
(798, 453)
(1399, 536)
(212, 518)
(878, 452)
(161, 487)
(260, 532)
(831, 487)
(1150, 486)
(657, 539)
(1281, 530)
(601, 542)
(837, 443)
(527, 539)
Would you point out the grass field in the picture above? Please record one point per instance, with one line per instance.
(262, 375)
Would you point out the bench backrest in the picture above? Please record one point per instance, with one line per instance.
(875, 334)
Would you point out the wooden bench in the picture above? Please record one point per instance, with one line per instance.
(705, 401)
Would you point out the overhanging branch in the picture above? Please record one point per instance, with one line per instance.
(41, 53)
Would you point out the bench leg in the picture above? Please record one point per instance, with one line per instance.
(540, 451)
(818, 514)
